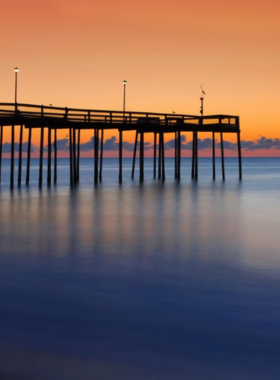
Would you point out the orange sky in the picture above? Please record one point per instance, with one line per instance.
(76, 54)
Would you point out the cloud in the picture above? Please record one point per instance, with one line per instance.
(87, 146)
(112, 144)
(230, 146)
(6, 148)
(63, 145)
(202, 144)
(261, 143)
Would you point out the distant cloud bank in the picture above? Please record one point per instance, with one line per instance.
(112, 145)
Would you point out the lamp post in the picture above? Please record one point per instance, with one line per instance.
(121, 134)
(124, 90)
(16, 70)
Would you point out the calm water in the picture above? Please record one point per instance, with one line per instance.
(173, 281)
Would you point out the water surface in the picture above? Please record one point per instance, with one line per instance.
(153, 281)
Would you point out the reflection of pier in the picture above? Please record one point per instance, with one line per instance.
(74, 120)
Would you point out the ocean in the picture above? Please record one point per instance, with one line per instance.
(152, 281)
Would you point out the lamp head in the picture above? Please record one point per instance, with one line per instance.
(16, 70)
(124, 82)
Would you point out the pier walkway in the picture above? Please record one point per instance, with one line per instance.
(51, 119)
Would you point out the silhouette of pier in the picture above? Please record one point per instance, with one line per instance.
(51, 119)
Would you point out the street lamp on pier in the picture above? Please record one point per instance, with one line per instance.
(124, 90)
(16, 70)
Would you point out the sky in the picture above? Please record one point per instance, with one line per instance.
(77, 53)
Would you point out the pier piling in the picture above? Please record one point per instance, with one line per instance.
(163, 157)
(141, 157)
(78, 155)
(120, 154)
(193, 154)
(70, 156)
(239, 156)
(179, 156)
(222, 157)
(176, 155)
(155, 154)
(196, 157)
(213, 156)
(28, 156)
(55, 157)
(12, 155)
(159, 155)
(49, 178)
(134, 154)
(1, 148)
(74, 155)
(96, 144)
(101, 155)
(41, 157)
(20, 155)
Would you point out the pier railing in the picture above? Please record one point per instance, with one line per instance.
(22, 113)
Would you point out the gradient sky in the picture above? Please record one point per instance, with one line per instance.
(76, 54)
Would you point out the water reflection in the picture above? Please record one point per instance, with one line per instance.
(153, 281)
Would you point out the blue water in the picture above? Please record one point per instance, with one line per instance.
(154, 281)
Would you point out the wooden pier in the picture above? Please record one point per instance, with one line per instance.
(51, 119)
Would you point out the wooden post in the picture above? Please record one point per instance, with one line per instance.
(176, 155)
(78, 155)
(20, 155)
(134, 155)
(196, 156)
(179, 156)
(74, 155)
(1, 147)
(222, 156)
(55, 156)
(213, 155)
(120, 154)
(28, 156)
(96, 138)
(155, 154)
(101, 155)
(193, 154)
(159, 155)
(12, 155)
(239, 156)
(70, 156)
(163, 158)
(141, 156)
(49, 178)
(41, 157)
